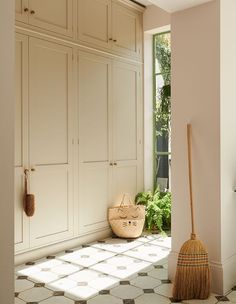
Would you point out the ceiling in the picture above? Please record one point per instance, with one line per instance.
(173, 5)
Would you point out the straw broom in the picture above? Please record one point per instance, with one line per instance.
(192, 279)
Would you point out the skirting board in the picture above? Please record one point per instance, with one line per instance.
(217, 285)
(52, 249)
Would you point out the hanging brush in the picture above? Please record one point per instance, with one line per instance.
(192, 279)
(29, 199)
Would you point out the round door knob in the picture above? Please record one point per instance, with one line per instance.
(32, 12)
(115, 164)
(26, 9)
(114, 40)
(110, 39)
(33, 169)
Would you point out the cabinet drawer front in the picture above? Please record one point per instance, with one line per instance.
(53, 15)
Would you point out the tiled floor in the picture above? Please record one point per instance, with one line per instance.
(112, 271)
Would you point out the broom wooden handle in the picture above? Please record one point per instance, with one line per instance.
(193, 235)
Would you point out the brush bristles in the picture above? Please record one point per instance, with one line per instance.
(192, 279)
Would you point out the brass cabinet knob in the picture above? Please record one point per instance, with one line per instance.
(33, 169)
(111, 164)
(115, 164)
(26, 9)
(110, 39)
(32, 12)
(114, 40)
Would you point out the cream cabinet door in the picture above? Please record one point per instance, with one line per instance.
(126, 30)
(21, 141)
(21, 10)
(51, 141)
(94, 150)
(94, 22)
(126, 130)
(52, 15)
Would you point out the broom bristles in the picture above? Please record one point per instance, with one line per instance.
(192, 279)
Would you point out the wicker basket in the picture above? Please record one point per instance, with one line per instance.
(127, 221)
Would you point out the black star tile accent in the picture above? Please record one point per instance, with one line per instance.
(234, 288)
(22, 278)
(148, 290)
(158, 266)
(222, 298)
(172, 300)
(69, 251)
(58, 293)
(51, 257)
(104, 292)
(85, 246)
(142, 274)
(39, 284)
(128, 301)
(32, 303)
(81, 302)
(16, 294)
(129, 240)
(165, 281)
(101, 242)
(124, 282)
(30, 263)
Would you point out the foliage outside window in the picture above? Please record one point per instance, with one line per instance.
(162, 109)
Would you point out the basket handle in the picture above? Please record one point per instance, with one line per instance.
(123, 199)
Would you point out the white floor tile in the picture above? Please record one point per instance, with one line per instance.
(35, 294)
(19, 301)
(81, 292)
(126, 292)
(161, 274)
(62, 285)
(212, 300)
(145, 282)
(105, 299)
(151, 299)
(232, 297)
(21, 285)
(164, 290)
(57, 300)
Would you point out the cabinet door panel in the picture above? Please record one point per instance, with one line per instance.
(53, 215)
(51, 125)
(126, 30)
(94, 196)
(53, 15)
(94, 21)
(21, 141)
(125, 103)
(93, 107)
(126, 130)
(20, 14)
(94, 151)
(125, 180)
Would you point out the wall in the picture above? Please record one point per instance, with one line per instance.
(154, 18)
(6, 151)
(196, 99)
(228, 143)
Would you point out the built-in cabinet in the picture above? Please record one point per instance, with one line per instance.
(112, 25)
(52, 15)
(44, 140)
(78, 117)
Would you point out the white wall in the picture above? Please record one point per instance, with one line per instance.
(154, 18)
(228, 142)
(196, 99)
(6, 151)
